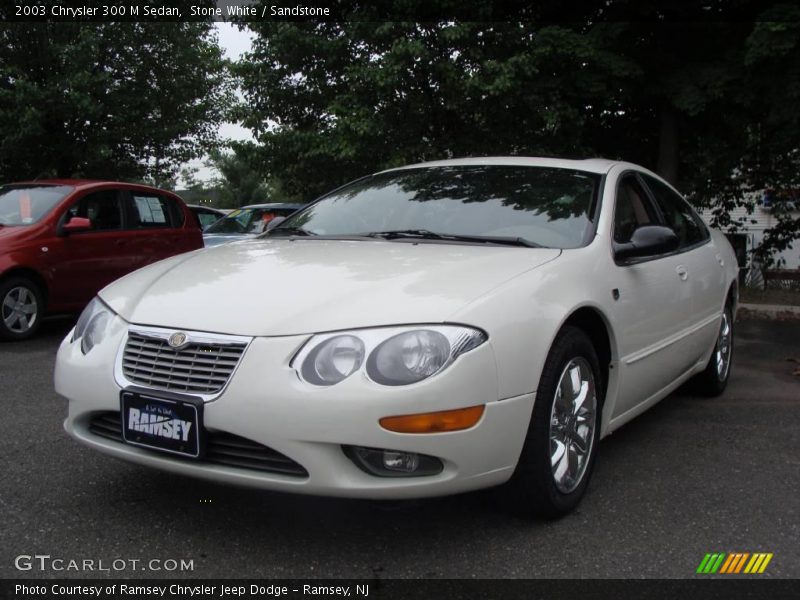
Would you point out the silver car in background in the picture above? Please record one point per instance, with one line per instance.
(246, 222)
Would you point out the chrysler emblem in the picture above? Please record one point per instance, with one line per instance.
(177, 339)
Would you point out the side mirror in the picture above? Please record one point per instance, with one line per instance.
(76, 224)
(647, 240)
(274, 223)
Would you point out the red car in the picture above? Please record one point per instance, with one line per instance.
(61, 241)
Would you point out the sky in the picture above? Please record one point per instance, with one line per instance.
(234, 43)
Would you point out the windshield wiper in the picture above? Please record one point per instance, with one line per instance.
(424, 234)
(290, 231)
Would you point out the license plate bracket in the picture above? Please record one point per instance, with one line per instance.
(165, 423)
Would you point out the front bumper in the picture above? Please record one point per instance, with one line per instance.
(266, 402)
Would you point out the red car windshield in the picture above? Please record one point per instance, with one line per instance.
(29, 203)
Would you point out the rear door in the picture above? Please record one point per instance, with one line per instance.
(155, 226)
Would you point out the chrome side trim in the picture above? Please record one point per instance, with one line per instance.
(642, 354)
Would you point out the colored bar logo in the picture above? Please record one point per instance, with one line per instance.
(734, 563)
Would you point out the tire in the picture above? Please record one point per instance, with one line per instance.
(713, 381)
(542, 485)
(21, 308)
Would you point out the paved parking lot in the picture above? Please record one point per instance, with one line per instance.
(689, 477)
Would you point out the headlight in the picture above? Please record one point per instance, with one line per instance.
(333, 360)
(395, 356)
(92, 324)
(409, 357)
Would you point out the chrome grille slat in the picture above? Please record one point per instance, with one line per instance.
(207, 364)
(186, 356)
(189, 373)
(200, 366)
(154, 351)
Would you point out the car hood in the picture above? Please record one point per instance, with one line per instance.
(285, 287)
(215, 239)
(13, 232)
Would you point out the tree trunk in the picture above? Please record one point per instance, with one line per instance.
(668, 147)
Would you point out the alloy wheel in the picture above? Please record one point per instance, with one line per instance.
(722, 355)
(573, 419)
(19, 309)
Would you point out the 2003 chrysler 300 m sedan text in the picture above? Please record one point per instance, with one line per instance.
(422, 331)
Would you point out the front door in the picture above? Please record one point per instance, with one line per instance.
(82, 263)
(654, 306)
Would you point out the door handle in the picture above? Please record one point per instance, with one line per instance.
(683, 272)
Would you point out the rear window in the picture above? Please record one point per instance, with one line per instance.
(28, 204)
(206, 217)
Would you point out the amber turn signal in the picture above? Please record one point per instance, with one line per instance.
(434, 422)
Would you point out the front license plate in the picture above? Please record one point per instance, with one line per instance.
(161, 424)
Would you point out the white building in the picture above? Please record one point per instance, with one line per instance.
(754, 225)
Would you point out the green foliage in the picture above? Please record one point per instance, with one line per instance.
(706, 96)
(332, 101)
(238, 183)
(108, 100)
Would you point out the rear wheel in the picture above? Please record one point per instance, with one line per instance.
(21, 308)
(558, 455)
(714, 380)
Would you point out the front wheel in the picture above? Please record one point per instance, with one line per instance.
(558, 455)
(21, 308)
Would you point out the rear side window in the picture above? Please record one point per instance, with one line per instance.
(149, 211)
(679, 216)
(103, 209)
(633, 209)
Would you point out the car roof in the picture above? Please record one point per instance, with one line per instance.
(90, 183)
(70, 182)
(591, 165)
(212, 208)
(274, 205)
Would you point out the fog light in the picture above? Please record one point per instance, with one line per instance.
(392, 463)
(407, 462)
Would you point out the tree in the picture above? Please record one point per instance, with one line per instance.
(689, 92)
(341, 99)
(238, 182)
(108, 100)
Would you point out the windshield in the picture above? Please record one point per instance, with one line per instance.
(26, 204)
(540, 205)
(248, 220)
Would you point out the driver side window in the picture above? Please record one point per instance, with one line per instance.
(103, 209)
(632, 210)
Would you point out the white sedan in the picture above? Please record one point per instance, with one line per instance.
(422, 331)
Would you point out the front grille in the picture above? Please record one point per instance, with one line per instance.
(198, 367)
(222, 448)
